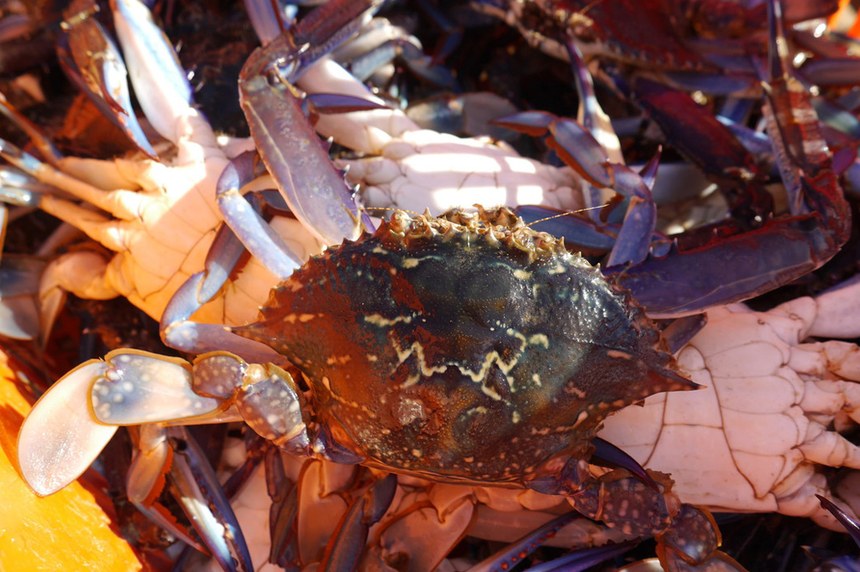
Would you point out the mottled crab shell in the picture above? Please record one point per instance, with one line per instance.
(464, 347)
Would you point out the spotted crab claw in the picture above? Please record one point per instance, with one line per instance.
(76, 418)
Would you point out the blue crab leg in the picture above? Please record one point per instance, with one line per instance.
(348, 541)
(593, 118)
(283, 513)
(177, 329)
(93, 62)
(203, 500)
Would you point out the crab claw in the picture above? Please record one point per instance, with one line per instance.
(61, 437)
(94, 63)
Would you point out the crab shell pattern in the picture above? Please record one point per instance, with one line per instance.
(463, 348)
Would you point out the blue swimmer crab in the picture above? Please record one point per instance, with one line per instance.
(471, 329)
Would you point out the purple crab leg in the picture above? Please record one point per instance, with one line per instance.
(582, 233)
(204, 501)
(346, 545)
(586, 558)
(283, 513)
(591, 115)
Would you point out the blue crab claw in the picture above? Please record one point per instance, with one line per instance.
(61, 437)
(314, 190)
(94, 63)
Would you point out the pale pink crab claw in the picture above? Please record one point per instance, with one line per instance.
(61, 437)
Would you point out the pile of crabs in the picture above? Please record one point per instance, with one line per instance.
(383, 306)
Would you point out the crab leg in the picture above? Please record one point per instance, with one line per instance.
(347, 543)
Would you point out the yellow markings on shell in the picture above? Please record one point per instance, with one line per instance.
(301, 318)
(539, 340)
(338, 360)
(417, 350)
(515, 417)
(521, 274)
(544, 431)
(326, 382)
(410, 262)
(383, 322)
(536, 379)
(372, 358)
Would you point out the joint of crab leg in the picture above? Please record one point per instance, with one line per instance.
(640, 222)
(571, 141)
(272, 405)
(244, 220)
(179, 332)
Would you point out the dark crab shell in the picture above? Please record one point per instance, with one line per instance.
(464, 347)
